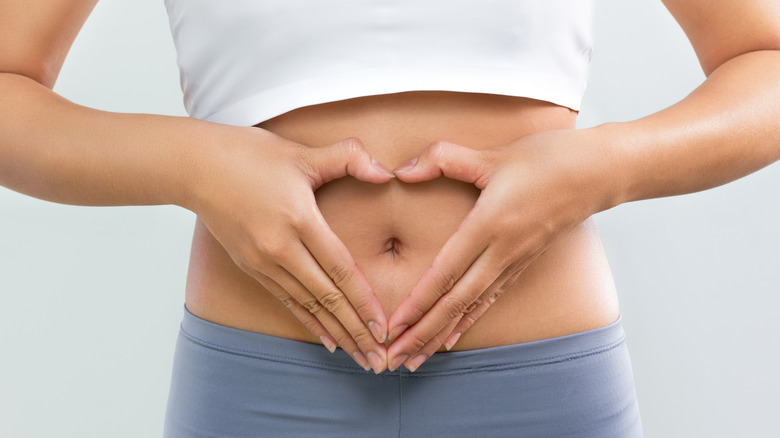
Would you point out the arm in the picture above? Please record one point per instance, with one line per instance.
(725, 129)
(252, 188)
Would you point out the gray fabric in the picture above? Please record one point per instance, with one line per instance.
(233, 383)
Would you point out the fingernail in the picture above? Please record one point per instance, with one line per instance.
(396, 332)
(416, 362)
(330, 345)
(377, 331)
(398, 361)
(381, 168)
(377, 364)
(451, 341)
(361, 360)
(406, 166)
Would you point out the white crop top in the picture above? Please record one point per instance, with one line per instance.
(246, 61)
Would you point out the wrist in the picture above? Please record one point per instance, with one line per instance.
(611, 169)
(214, 160)
(200, 155)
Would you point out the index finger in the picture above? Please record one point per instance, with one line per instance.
(448, 159)
(335, 259)
(453, 260)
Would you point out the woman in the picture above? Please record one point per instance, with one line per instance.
(507, 126)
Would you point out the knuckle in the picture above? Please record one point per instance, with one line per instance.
(298, 222)
(455, 306)
(443, 281)
(470, 308)
(504, 225)
(273, 246)
(296, 211)
(252, 263)
(333, 301)
(341, 274)
(361, 306)
(418, 310)
(288, 302)
(437, 148)
(437, 152)
(417, 342)
(361, 303)
(313, 306)
(351, 146)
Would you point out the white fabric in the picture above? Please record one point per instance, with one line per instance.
(246, 61)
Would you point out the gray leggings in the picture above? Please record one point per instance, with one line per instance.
(233, 383)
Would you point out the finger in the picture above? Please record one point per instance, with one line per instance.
(482, 273)
(457, 326)
(448, 159)
(346, 157)
(413, 362)
(455, 257)
(325, 298)
(300, 312)
(303, 299)
(480, 306)
(334, 258)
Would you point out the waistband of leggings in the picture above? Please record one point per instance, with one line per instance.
(534, 353)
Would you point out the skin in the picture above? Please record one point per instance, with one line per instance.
(696, 144)
(217, 172)
(395, 229)
(56, 150)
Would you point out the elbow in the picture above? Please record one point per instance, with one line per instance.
(42, 73)
(769, 43)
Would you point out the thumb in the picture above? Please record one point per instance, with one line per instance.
(448, 159)
(347, 157)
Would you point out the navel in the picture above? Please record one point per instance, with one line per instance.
(392, 247)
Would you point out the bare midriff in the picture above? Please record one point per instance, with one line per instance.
(395, 230)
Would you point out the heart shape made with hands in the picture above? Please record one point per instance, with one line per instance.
(553, 171)
(427, 167)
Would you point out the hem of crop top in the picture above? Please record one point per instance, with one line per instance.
(266, 104)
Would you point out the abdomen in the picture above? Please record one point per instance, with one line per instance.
(395, 230)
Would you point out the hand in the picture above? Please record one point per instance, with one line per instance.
(255, 194)
(533, 190)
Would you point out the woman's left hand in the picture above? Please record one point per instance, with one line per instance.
(533, 190)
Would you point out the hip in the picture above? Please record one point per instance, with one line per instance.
(231, 383)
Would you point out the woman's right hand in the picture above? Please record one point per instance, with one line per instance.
(254, 190)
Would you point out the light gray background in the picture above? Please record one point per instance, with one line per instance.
(698, 274)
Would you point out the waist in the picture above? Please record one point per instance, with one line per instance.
(529, 354)
(395, 230)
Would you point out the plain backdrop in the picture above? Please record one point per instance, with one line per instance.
(91, 298)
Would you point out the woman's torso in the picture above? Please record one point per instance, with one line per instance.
(395, 230)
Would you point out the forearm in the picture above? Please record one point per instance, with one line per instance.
(55, 150)
(725, 129)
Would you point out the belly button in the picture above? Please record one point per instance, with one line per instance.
(392, 247)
